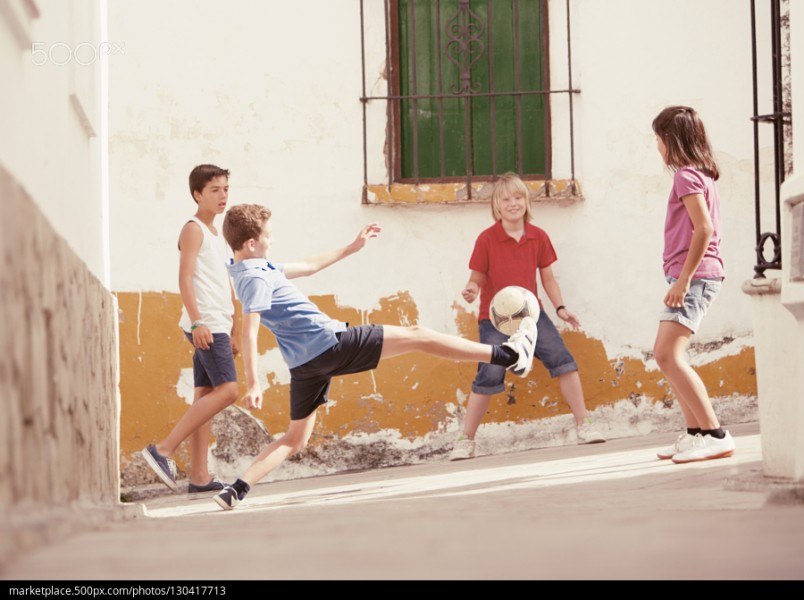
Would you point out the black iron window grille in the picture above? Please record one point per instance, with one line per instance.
(468, 92)
(780, 118)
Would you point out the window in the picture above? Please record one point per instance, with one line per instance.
(467, 94)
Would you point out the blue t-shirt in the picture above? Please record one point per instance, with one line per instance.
(301, 329)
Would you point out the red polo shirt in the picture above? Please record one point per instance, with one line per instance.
(505, 261)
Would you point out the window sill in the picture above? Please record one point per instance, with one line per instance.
(556, 191)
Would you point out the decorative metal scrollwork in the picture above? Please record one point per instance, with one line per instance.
(465, 46)
(762, 262)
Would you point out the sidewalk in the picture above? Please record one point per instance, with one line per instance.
(604, 511)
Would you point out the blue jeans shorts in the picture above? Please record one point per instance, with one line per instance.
(699, 298)
(215, 365)
(550, 350)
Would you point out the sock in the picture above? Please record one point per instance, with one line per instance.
(715, 433)
(242, 488)
(693, 430)
(503, 356)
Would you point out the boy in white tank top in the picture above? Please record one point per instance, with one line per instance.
(209, 323)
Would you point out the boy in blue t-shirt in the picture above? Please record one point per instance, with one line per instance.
(316, 347)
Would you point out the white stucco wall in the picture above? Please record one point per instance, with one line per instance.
(270, 90)
(50, 117)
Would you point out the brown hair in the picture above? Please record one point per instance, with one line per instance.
(244, 222)
(508, 184)
(684, 137)
(203, 174)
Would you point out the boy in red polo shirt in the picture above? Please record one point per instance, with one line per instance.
(510, 252)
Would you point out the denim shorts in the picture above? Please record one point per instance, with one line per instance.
(700, 296)
(550, 350)
(215, 365)
(358, 349)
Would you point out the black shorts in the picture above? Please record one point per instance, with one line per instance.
(358, 349)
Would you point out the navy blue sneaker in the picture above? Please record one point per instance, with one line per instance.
(163, 466)
(228, 498)
(208, 490)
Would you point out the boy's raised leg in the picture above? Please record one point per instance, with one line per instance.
(399, 340)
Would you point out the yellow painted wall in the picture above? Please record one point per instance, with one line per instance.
(410, 394)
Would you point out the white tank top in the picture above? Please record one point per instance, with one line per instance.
(213, 293)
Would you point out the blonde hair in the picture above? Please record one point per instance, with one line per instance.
(507, 185)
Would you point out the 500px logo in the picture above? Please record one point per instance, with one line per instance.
(83, 54)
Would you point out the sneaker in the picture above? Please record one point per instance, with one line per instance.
(705, 447)
(195, 492)
(163, 466)
(523, 342)
(587, 434)
(228, 498)
(464, 448)
(682, 443)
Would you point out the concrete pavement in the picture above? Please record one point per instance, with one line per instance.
(604, 511)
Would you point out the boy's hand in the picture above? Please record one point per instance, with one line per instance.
(253, 398)
(369, 231)
(569, 317)
(202, 337)
(470, 292)
(235, 346)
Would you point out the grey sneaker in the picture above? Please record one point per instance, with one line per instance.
(587, 434)
(195, 492)
(163, 466)
(683, 442)
(523, 342)
(464, 448)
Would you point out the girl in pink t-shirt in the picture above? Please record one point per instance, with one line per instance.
(694, 270)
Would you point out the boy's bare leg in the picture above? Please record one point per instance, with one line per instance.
(476, 408)
(572, 391)
(199, 445)
(294, 440)
(200, 412)
(670, 353)
(402, 340)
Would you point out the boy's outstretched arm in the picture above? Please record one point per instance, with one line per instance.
(314, 264)
(251, 328)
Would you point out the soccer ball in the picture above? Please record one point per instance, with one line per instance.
(510, 305)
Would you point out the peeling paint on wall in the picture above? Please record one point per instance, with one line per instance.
(411, 396)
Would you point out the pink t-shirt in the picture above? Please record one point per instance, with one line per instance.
(678, 226)
(506, 261)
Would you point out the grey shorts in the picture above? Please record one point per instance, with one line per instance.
(215, 365)
(358, 349)
(550, 350)
(699, 298)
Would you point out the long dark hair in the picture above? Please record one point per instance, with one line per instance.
(684, 137)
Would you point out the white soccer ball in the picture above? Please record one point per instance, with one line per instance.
(510, 305)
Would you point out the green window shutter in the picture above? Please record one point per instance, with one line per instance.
(502, 52)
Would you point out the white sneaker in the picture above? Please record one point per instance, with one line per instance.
(705, 447)
(683, 442)
(587, 434)
(464, 448)
(523, 342)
